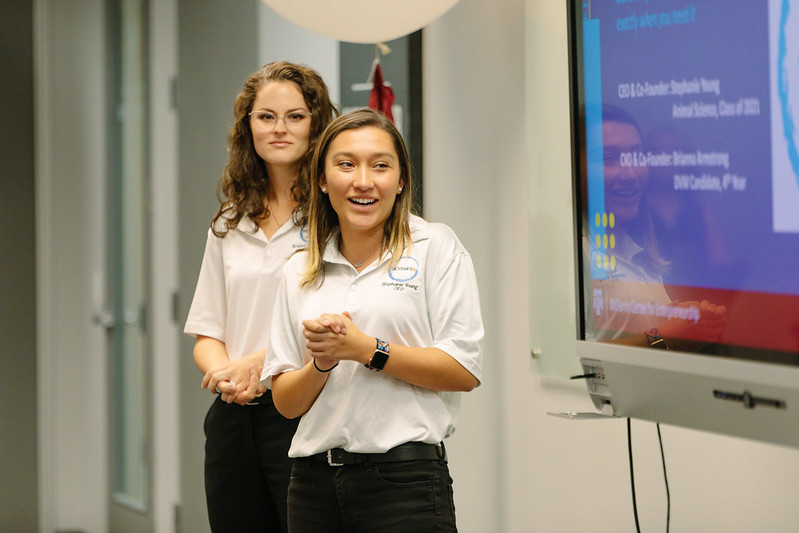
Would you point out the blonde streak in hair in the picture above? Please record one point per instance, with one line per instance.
(319, 232)
(313, 267)
(398, 250)
(313, 260)
(307, 275)
(399, 238)
(311, 273)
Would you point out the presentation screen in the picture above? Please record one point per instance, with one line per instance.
(687, 152)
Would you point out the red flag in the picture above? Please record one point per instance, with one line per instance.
(382, 97)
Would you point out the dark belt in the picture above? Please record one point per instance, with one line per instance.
(410, 451)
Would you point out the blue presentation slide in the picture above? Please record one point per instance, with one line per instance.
(714, 88)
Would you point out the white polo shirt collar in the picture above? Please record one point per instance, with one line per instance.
(332, 254)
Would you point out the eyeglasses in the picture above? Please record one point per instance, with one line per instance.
(269, 120)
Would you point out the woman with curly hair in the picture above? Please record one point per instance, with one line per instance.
(280, 113)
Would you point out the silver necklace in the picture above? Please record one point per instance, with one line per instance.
(359, 263)
(273, 216)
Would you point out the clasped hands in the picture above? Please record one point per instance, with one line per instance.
(334, 337)
(239, 381)
(330, 338)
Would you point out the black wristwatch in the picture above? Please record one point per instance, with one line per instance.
(379, 358)
(655, 340)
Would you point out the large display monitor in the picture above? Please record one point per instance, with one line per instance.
(686, 170)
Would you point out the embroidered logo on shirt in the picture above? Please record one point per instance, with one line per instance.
(303, 240)
(401, 275)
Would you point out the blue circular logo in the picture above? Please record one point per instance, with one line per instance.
(405, 270)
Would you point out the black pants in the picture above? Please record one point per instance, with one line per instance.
(402, 497)
(247, 468)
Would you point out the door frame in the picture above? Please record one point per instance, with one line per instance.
(72, 382)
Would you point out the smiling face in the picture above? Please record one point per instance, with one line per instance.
(362, 178)
(624, 184)
(283, 142)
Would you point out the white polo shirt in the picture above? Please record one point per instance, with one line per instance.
(429, 299)
(236, 288)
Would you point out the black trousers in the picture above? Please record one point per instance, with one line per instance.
(401, 497)
(247, 468)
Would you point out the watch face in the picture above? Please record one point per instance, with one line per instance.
(378, 360)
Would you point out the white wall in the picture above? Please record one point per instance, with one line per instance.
(494, 152)
(474, 166)
(281, 40)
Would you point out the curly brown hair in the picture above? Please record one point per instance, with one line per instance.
(245, 182)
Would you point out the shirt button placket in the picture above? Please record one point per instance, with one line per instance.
(352, 295)
(267, 257)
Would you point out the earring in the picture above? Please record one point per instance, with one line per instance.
(324, 190)
(399, 191)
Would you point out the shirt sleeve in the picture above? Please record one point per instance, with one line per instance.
(208, 311)
(285, 351)
(454, 310)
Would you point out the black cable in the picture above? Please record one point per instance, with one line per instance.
(665, 480)
(632, 475)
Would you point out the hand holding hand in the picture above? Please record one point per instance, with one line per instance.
(237, 381)
(253, 389)
(334, 337)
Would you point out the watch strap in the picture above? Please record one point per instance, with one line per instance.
(382, 346)
(380, 357)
